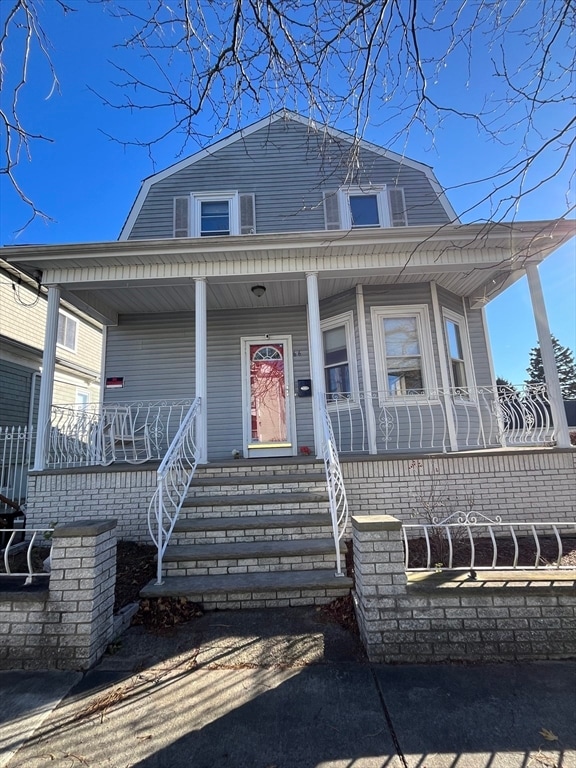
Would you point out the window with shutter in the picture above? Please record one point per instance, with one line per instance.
(397, 203)
(215, 214)
(181, 216)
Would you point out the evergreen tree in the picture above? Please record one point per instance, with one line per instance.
(565, 364)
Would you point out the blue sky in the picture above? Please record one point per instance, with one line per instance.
(87, 182)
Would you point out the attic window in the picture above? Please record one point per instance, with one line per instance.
(214, 214)
(365, 207)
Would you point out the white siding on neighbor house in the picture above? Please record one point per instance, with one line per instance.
(287, 167)
(155, 355)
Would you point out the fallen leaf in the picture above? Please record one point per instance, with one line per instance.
(548, 735)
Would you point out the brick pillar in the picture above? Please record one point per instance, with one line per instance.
(82, 584)
(380, 577)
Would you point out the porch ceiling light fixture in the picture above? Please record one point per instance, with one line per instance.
(258, 290)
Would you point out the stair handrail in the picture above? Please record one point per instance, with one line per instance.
(335, 482)
(174, 476)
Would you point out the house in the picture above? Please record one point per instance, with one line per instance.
(285, 301)
(22, 329)
(76, 375)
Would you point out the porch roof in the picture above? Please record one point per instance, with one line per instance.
(110, 278)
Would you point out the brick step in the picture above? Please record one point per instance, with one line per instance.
(250, 550)
(251, 522)
(256, 480)
(254, 590)
(255, 499)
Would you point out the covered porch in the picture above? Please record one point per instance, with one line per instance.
(381, 331)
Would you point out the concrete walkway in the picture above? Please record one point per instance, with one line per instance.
(284, 689)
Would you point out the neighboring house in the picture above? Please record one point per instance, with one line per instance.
(76, 372)
(291, 279)
(23, 304)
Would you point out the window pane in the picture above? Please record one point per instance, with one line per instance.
(454, 343)
(405, 376)
(401, 336)
(214, 218)
(338, 380)
(335, 346)
(458, 373)
(364, 210)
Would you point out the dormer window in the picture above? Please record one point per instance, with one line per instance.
(365, 207)
(214, 214)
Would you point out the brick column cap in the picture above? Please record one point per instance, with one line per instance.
(84, 528)
(376, 523)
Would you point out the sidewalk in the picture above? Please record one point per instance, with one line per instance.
(286, 689)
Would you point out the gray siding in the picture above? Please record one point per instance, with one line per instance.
(287, 167)
(156, 358)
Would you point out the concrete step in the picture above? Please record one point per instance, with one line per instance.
(256, 479)
(255, 499)
(251, 550)
(252, 522)
(254, 590)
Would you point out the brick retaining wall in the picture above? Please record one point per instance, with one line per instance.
(442, 617)
(69, 624)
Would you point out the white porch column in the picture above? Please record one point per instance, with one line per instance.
(444, 374)
(200, 368)
(316, 356)
(365, 364)
(47, 380)
(548, 359)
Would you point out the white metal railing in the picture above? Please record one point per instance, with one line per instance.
(134, 432)
(473, 542)
(174, 475)
(482, 417)
(23, 558)
(15, 452)
(335, 482)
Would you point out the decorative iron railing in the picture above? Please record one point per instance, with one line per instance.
(174, 474)
(481, 417)
(473, 542)
(15, 454)
(24, 553)
(335, 482)
(132, 432)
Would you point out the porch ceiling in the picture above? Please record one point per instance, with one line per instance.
(153, 276)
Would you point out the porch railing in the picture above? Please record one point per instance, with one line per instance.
(23, 554)
(174, 474)
(472, 542)
(482, 417)
(15, 453)
(335, 482)
(131, 432)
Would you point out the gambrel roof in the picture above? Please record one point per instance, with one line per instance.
(265, 123)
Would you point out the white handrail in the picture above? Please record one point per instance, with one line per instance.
(334, 481)
(174, 475)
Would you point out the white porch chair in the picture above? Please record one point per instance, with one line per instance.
(121, 439)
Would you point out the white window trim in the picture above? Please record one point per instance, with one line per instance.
(382, 201)
(346, 319)
(76, 325)
(232, 198)
(460, 321)
(420, 312)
